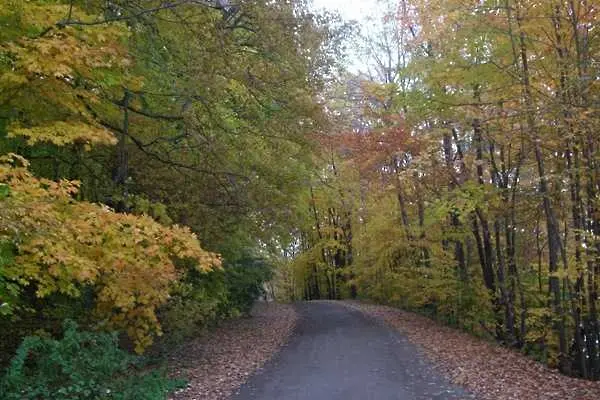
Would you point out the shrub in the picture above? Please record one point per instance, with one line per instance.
(204, 299)
(199, 301)
(82, 366)
(62, 246)
(245, 279)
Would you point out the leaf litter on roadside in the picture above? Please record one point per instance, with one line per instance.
(216, 364)
(485, 368)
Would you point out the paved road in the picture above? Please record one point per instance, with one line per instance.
(339, 354)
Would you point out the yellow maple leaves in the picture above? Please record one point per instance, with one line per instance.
(63, 133)
(64, 54)
(64, 245)
(61, 51)
(52, 73)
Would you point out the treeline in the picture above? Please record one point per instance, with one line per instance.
(131, 132)
(463, 179)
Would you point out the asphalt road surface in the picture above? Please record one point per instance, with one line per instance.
(339, 354)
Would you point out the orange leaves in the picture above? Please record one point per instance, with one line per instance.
(64, 245)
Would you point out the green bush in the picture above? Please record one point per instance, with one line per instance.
(245, 279)
(82, 366)
(202, 300)
(196, 304)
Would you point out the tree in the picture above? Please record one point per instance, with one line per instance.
(476, 172)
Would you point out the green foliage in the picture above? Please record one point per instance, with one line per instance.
(141, 205)
(80, 365)
(245, 279)
(204, 299)
(9, 291)
(199, 301)
(147, 131)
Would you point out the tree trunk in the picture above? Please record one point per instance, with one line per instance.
(554, 241)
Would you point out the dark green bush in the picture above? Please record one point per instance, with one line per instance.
(202, 300)
(82, 366)
(245, 279)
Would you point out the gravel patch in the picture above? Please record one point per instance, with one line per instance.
(215, 365)
(490, 371)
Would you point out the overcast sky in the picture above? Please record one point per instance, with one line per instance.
(357, 10)
(349, 9)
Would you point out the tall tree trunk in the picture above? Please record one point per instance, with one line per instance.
(316, 287)
(580, 33)
(572, 165)
(554, 241)
(459, 253)
(506, 300)
(488, 268)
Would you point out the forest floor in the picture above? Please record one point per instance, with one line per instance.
(216, 364)
(484, 368)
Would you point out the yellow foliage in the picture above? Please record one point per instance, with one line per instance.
(63, 52)
(62, 133)
(64, 244)
(53, 73)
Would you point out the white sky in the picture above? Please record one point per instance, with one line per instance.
(349, 9)
(358, 10)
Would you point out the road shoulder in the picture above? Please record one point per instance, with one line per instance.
(216, 364)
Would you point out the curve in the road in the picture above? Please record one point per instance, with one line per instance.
(339, 354)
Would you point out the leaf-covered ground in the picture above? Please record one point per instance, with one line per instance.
(486, 369)
(218, 363)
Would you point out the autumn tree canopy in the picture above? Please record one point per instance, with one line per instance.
(159, 161)
(460, 178)
(131, 132)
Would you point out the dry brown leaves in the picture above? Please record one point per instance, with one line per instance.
(486, 369)
(218, 363)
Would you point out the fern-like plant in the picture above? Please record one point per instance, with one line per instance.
(81, 366)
